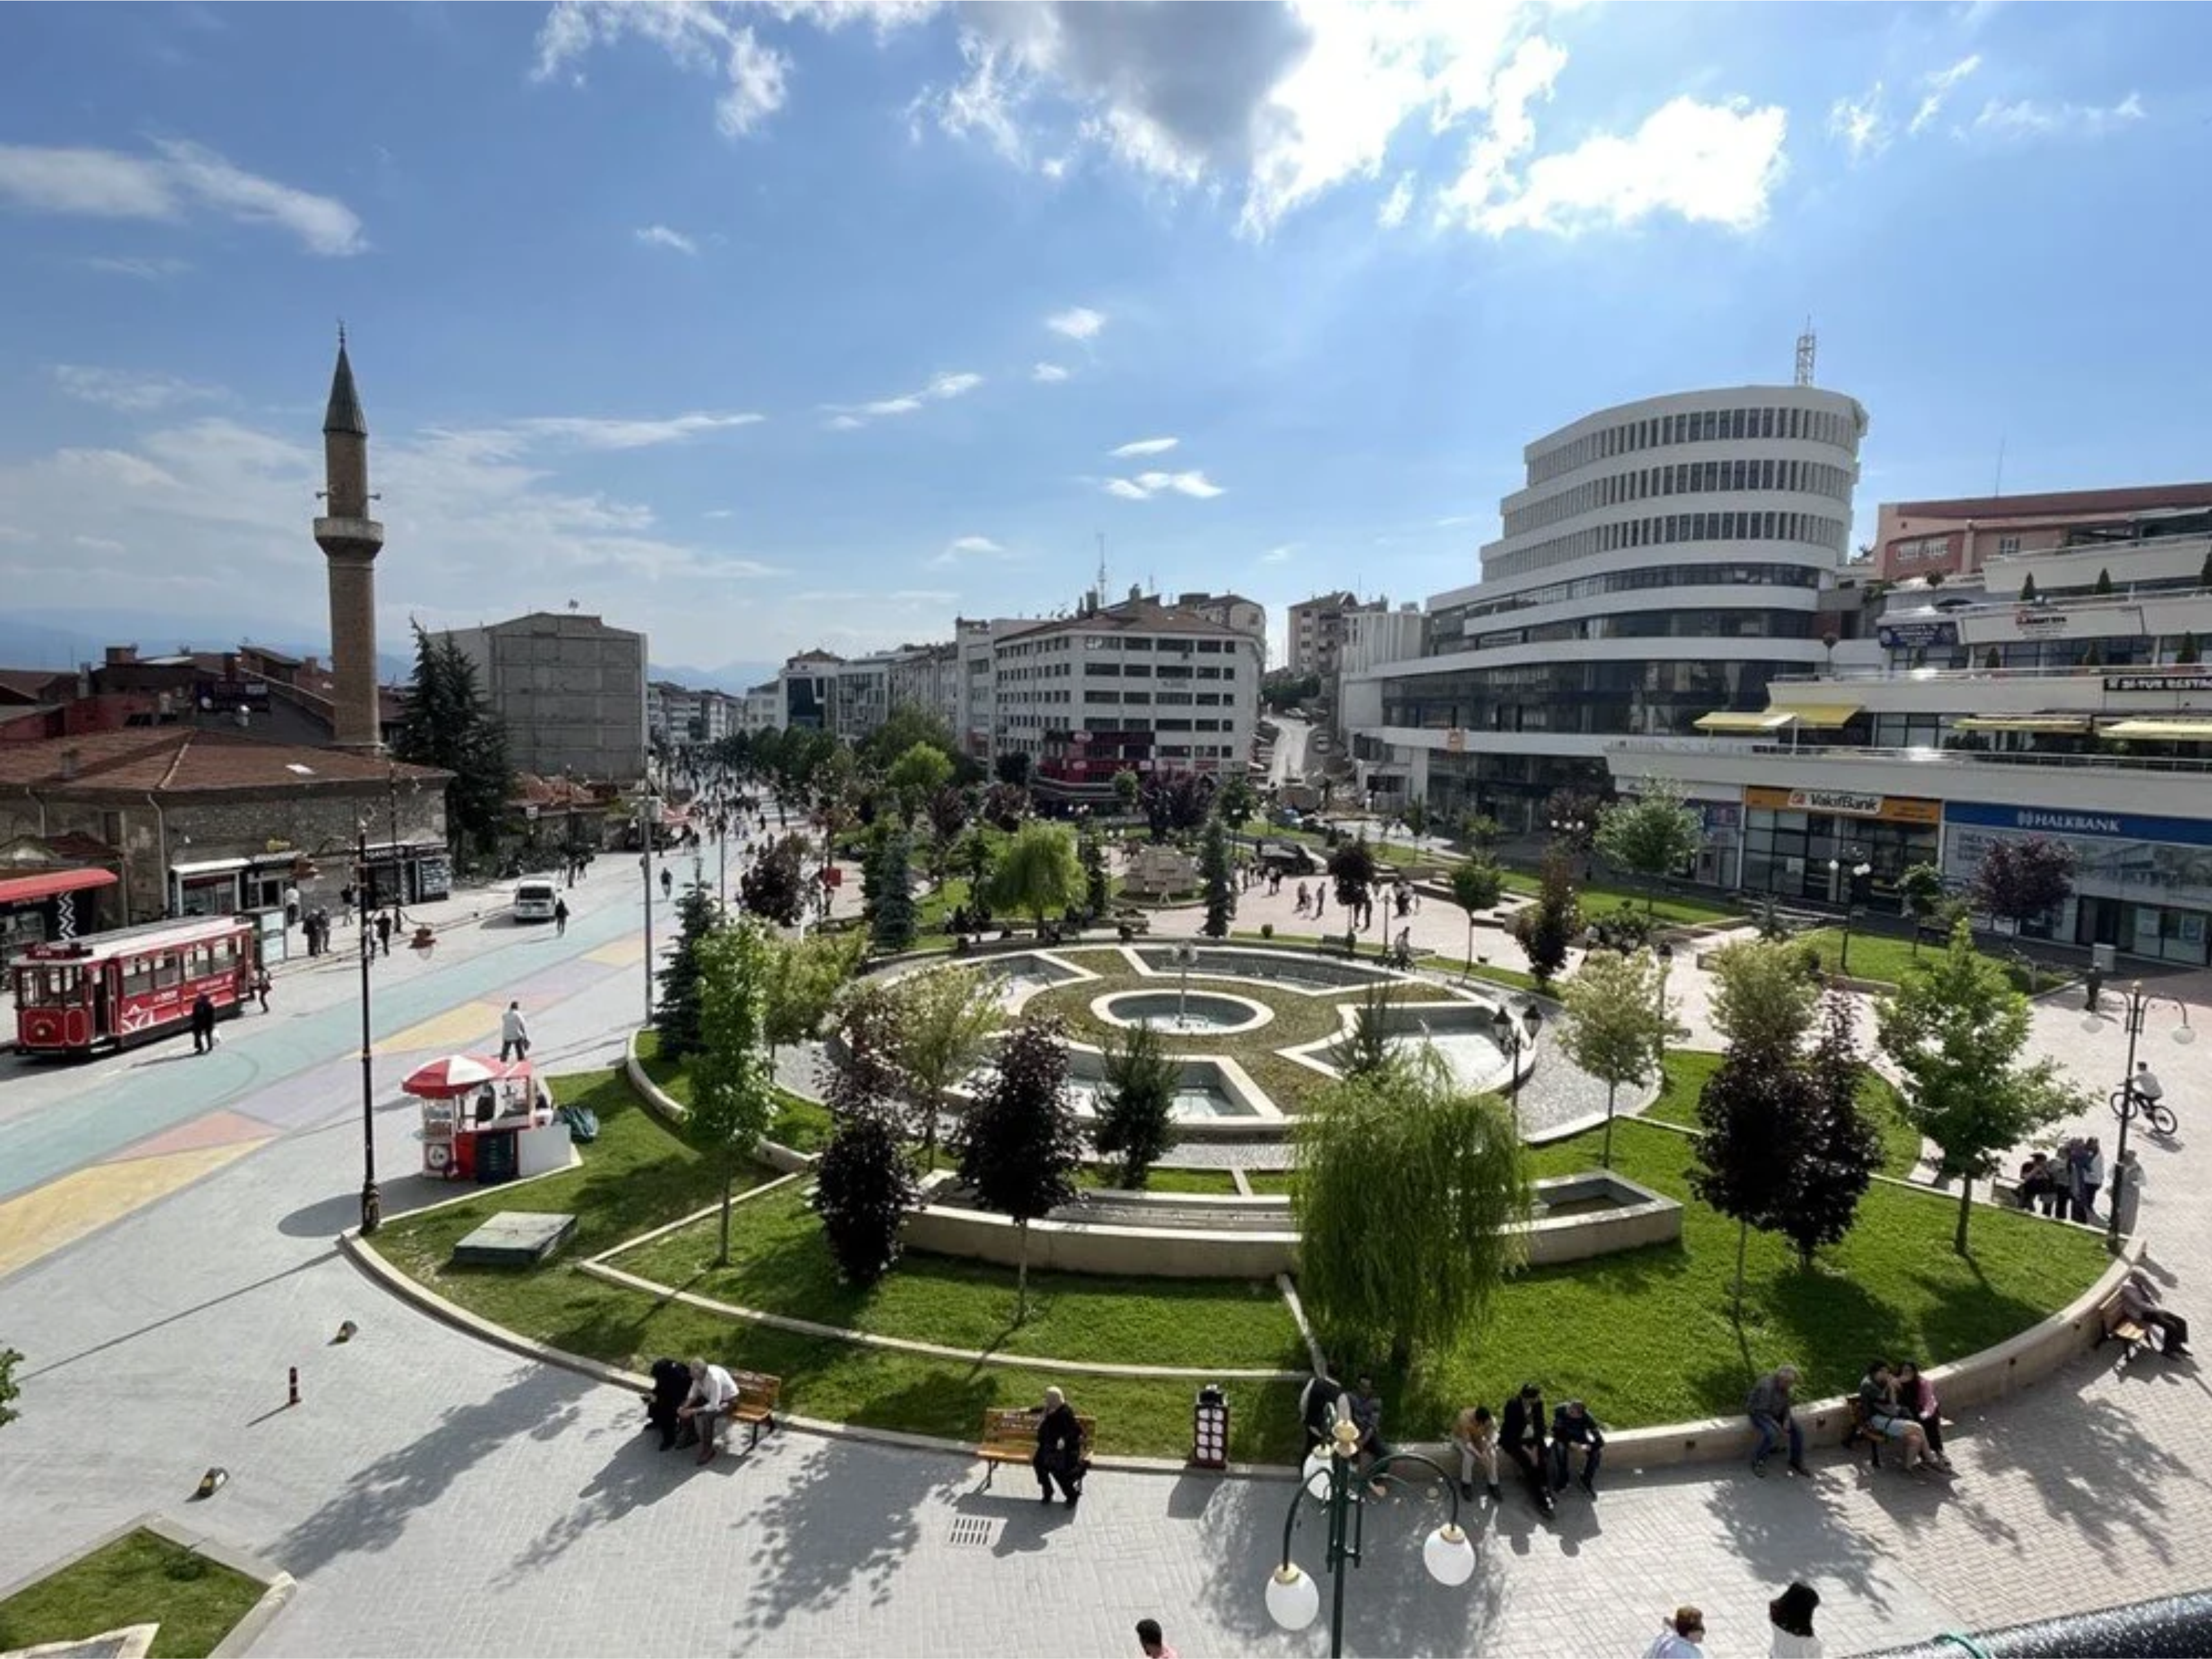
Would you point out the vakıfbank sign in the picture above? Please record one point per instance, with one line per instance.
(1845, 803)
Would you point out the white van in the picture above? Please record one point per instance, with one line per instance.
(534, 899)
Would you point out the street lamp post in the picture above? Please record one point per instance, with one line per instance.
(398, 865)
(2133, 1007)
(1332, 1479)
(1515, 1035)
(1854, 865)
(649, 817)
(372, 1204)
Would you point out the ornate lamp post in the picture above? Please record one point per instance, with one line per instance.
(1331, 1478)
(2136, 1089)
(648, 811)
(371, 1203)
(1854, 866)
(1514, 1036)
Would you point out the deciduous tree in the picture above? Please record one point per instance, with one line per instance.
(1476, 884)
(1652, 835)
(1019, 1146)
(1037, 872)
(943, 1022)
(1763, 997)
(1956, 1031)
(1352, 872)
(1408, 1192)
(1546, 928)
(1237, 803)
(1753, 1111)
(918, 775)
(806, 975)
(1920, 890)
(1617, 1022)
(1841, 1147)
(2019, 881)
(773, 886)
(862, 1191)
(732, 1076)
(1128, 787)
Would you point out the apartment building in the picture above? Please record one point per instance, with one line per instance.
(570, 690)
(1316, 629)
(1958, 538)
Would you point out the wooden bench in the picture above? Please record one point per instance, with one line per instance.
(2132, 1334)
(754, 1405)
(1009, 1436)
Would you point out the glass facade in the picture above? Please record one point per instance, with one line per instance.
(1631, 698)
(1807, 844)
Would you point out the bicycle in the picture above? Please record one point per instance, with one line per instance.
(2126, 1102)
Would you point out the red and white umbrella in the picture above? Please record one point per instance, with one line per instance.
(456, 1075)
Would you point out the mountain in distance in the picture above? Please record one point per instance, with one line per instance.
(61, 639)
(732, 678)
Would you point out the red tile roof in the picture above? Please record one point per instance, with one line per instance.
(1131, 617)
(2063, 503)
(186, 760)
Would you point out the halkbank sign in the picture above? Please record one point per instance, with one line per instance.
(2094, 825)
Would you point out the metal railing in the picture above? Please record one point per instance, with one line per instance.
(1884, 672)
(1914, 756)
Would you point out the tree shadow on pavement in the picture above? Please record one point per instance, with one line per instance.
(1782, 1527)
(379, 1500)
(1391, 1605)
(842, 1522)
(638, 1473)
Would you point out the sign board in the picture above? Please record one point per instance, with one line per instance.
(1455, 741)
(1846, 803)
(2193, 679)
(2092, 824)
(832, 876)
(231, 694)
(1915, 636)
(2036, 619)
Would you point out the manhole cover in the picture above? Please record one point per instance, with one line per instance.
(975, 1529)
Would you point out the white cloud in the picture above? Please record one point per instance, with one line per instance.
(971, 547)
(699, 38)
(131, 393)
(1705, 163)
(106, 184)
(1144, 447)
(145, 269)
(2028, 119)
(1280, 555)
(1396, 205)
(1077, 323)
(1047, 374)
(662, 236)
(942, 388)
(1939, 85)
(1858, 123)
(1146, 485)
(99, 543)
(719, 513)
(587, 432)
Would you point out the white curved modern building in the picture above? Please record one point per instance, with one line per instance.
(1665, 560)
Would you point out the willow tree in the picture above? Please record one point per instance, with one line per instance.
(1038, 872)
(1407, 1194)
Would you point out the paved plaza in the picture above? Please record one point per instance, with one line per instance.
(435, 1494)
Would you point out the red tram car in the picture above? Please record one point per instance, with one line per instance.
(75, 995)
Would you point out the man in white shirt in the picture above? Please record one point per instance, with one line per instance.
(513, 1034)
(712, 1390)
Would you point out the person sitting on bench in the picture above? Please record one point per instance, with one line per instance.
(1059, 1450)
(1522, 1434)
(2138, 1300)
(712, 1390)
(1886, 1416)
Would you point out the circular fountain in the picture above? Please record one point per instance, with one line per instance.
(1181, 1013)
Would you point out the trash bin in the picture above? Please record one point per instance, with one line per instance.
(2105, 958)
(495, 1157)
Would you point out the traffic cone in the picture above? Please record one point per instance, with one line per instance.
(211, 1481)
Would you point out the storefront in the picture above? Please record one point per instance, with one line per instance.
(2142, 885)
(409, 872)
(38, 907)
(1720, 850)
(1812, 844)
(232, 886)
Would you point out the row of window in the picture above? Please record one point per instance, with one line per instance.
(1659, 625)
(1699, 426)
(1812, 529)
(1137, 671)
(1061, 643)
(1683, 478)
(1451, 622)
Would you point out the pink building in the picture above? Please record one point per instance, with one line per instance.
(1920, 538)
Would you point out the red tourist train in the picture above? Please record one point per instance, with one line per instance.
(74, 995)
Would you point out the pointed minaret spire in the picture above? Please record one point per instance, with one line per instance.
(344, 414)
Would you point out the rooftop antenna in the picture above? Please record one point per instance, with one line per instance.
(1102, 567)
(1806, 345)
(1999, 488)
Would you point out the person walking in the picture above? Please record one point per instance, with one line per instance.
(1791, 1614)
(2127, 1191)
(667, 882)
(345, 905)
(1770, 1407)
(514, 1034)
(203, 1023)
(384, 931)
(1150, 1643)
(560, 917)
(2093, 1179)
(261, 988)
(291, 906)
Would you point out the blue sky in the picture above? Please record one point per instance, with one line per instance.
(760, 327)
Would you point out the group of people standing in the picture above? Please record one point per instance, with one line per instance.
(2066, 1183)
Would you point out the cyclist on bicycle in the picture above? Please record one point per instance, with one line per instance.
(2145, 1084)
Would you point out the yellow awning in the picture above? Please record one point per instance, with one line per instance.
(1724, 720)
(2197, 729)
(1820, 716)
(2058, 723)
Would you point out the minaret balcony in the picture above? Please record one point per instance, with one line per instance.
(349, 530)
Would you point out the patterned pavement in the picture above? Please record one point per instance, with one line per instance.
(435, 1495)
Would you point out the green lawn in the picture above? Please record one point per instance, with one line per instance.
(778, 1263)
(1602, 899)
(1879, 956)
(1687, 1070)
(638, 1175)
(139, 1579)
(1216, 1183)
(802, 1125)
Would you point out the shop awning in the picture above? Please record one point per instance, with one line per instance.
(208, 867)
(1724, 720)
(2069, 724)
(1818, 716)
(2196, 730)
(21, 890)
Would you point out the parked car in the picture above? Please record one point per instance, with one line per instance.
(534, 900)
(1288, 857)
